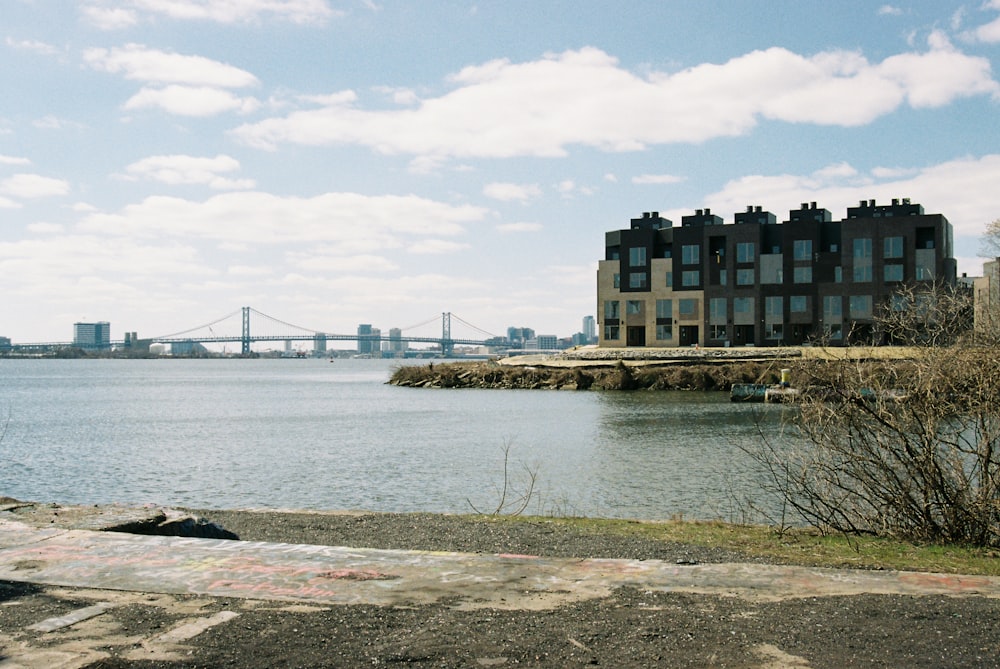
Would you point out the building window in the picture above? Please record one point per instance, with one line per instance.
(862, 260)
(834, 331)
(798, 304)
(742, 305)
(892, 247)
(745, 252)
(802, 275)
(863, 247)
(612, 309)
(722, 277)
(716, 331)
(618, 280)
(687, 308)
(892, 273)
(802, 249)
(664, 308)
(664, 331)
(690, 277)
(744, 277)
(838, 274)
(612, 332)
(637, 280)
(832, 307)
(637, 257)
(774, 331)
(633, 307)
(691, 254)
(670, 279)
(717, 310)
(773, 308)
(861, 306)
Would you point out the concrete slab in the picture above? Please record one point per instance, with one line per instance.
(342, 575)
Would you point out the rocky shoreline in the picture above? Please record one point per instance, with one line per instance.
(666, 372)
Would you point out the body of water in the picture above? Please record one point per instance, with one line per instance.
(290, 433)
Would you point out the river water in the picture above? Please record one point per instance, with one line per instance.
(307, 433)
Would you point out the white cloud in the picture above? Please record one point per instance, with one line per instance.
(519, 227)
(988, 33)
(136, 62)
(330, 262)
(33, 186)
(109, 18)
(262, 218)
(182, 170)
(191, 101)
(249, 270)
(889, 10)
(436, 246)
(67, 259)
(611, 178)
(840, 170)
(42, 228)
(51, 122)
(100, 13)
(961, 189)
(584, 97)
(657, 179)
(13, 160)
(510, 191)
(32, 45)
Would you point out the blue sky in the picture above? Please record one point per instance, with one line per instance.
(166, 162)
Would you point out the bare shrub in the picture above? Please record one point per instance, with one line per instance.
(909, 449)
(515, 491)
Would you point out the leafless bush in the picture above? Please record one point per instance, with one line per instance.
(515, 492)
(908, 449)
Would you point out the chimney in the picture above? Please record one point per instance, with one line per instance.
(804, 205)
(697, 212)
(759, 209)
(656, 214)
(749, 208)
(708, 211)
(812, 205)
(871, 203)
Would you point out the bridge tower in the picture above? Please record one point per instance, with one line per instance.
(246, 332)
(447, 345)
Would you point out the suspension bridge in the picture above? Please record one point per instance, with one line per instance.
(248, 326)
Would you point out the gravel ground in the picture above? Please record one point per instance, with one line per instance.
(629, 629)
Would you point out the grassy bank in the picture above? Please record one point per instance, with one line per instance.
(798, 546)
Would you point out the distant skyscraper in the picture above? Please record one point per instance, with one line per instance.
(396, 345)
(369, 340)
(92, 335)
(589, 329)
(518, 337)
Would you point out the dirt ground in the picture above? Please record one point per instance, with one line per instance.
(629, 629)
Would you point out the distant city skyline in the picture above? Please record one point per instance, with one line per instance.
(345, 161)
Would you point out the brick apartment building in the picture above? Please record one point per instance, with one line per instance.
(764, 283)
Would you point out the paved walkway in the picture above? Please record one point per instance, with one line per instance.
(341, 575)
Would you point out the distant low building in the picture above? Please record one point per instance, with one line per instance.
(92, 336)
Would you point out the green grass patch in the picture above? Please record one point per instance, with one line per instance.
(797, 546)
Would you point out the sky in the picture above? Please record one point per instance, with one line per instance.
(164, 163)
